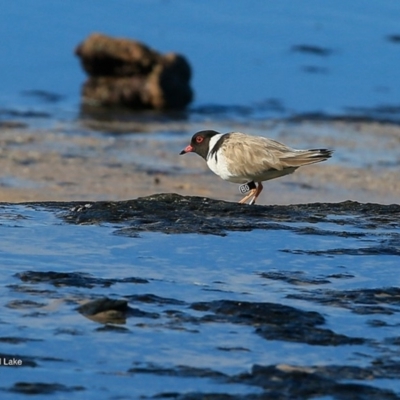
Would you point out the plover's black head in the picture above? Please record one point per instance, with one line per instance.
(200, 143)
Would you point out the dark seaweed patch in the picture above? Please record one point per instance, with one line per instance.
(34, 388)
(296, 382)
(75, 279)
(283, 382)
(275, 321)
(364, 301)
(153, 299)
(294, 278)
(180, 370)
(17, 340)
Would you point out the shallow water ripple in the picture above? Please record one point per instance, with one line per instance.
(187, 297)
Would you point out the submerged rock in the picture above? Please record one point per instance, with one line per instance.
(71, 279)
(297, 382)
(34, 388)
(128, 73)
(275, 321)
(105, 310)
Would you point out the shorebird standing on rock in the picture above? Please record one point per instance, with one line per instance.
(249, 160)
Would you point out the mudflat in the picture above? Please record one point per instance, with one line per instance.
(81, 162)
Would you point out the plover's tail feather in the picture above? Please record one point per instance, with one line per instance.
(305, 157)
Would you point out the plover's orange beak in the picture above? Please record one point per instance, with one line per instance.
(187, 149)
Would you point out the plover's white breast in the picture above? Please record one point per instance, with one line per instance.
(217, 160)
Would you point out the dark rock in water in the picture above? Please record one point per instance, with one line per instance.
(74, 279)
(102, 55)
(24, 304)
(17, 340)
(294, 278)
(112, 328)
(275, 321)
(151, 298)
(297, 382)
(105, 310)
(42, 388)
(180, 370)
(127, 73)
(280, 382)
(172, 213)
(364, 301)
(104, 304)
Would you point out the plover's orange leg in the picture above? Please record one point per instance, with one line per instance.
(257, 193)
(248, 196)
(253, 194)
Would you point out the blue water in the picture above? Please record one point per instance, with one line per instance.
(240, 54)
(71, 350)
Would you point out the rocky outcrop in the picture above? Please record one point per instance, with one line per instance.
(128, 73)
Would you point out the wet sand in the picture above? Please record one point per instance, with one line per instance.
(69, 163)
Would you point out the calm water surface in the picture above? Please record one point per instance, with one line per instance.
(276, 58)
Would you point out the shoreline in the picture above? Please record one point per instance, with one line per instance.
(56, 165)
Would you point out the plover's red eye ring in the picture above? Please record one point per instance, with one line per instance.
(199, 139)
